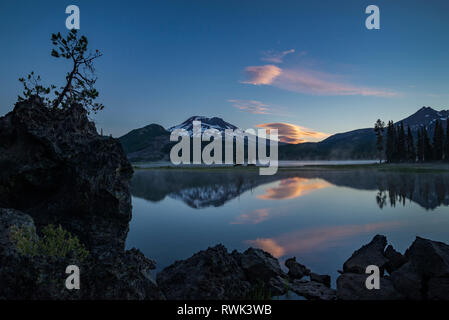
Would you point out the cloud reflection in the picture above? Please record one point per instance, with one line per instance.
(308, 240)
(253, 217)
(293, 187)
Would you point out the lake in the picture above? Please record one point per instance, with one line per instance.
(319, 216)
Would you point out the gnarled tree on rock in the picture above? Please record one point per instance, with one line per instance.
(80, 81)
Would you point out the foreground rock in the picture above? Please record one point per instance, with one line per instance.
(351, 286)
(370, 254)
(295, 269)
(321, 278)
(313, 290)
(56, 169)
(426, 274)
(422, 273)
(217, 274)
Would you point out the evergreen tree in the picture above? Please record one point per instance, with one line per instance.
(401, 143)
(420, 146)
(411, 153)
(379, 128)
(390, 146)
(438, 141)
(446, 143)
(427, 147)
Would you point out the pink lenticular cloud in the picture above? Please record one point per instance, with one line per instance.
(291, 133)
(308, 82)
(262, 74)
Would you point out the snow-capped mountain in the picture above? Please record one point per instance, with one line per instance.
(206, 123)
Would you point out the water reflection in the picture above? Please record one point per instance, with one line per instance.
(316, 239)
(428, 190)
(199, 189)
(319, 216)
(290, 188)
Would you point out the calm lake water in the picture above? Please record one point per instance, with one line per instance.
(320, 217)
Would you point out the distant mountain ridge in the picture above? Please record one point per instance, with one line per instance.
(426, 116)
(152, 142)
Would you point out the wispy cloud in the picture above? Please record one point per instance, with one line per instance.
(251, 106)
(291, 133)
(276, 56)
(262, 74)
(308, 81)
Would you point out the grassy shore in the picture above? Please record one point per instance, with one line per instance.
(437, 167)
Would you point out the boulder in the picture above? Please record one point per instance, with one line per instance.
(370, 254)
(312, 290)
(407, 280)
(208, 274)
(395, 259)
(216, 274)
(260, 265)
(429, 258)
(351, 286)
(324, 279)
(438, 289)
(295, 269)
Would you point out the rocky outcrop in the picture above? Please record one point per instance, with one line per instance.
(422, 273)
(426, 274)
(351, 286)
(370, 254)
(321, 278)
(312, 290)
(217, 274)
(395, 259)
(56, 169)
(295, 269)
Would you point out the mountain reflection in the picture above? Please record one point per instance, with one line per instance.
(206, 188)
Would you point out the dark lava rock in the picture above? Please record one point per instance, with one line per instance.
(312, 290)
(370, 254)
(438, 289)
(324, 279)
(295, 269)
(409, 282)
(259, 264)
(426, 274)
(351, 286)
(421, 274)
(216, 274)
(56, 169)
(429, 258)
(395, 259)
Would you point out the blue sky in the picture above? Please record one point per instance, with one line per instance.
(312, 64)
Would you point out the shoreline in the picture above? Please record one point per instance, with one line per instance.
(432, 167)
